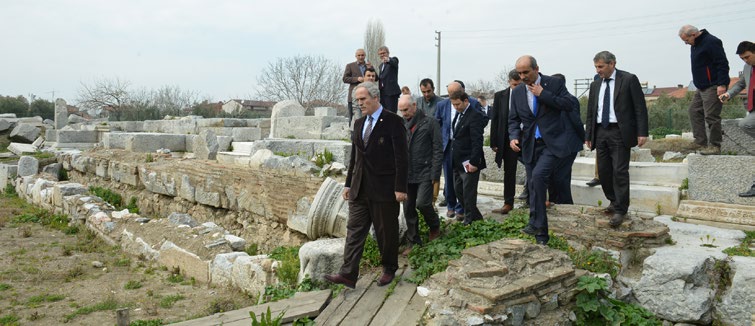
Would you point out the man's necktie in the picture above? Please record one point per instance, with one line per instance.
(606, 113)
(534, 110)
(453, 123)
(367, 131)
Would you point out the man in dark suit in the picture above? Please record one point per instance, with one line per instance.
(537, 105)
(499, 142)
(444, 114)
(466, 150)
(559, 191)
(388, 78)
(617, 120)
(375, 184)
(353, 75)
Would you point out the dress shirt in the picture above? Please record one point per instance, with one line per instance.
(612, 84)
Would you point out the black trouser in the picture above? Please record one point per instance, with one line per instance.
(539, 173)
(419, 196)
(509, 173)
(465, 185)
(364, 213)
(613, 166)
(389, 102)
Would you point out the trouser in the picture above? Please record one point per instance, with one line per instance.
(614, 166)
(448, 190)
(418, 197)
(539, 172)
(389, 102)
(705, 109)
(364, 213)
(465, 185)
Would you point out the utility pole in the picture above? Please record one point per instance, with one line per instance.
(581, 84)
(437, 38)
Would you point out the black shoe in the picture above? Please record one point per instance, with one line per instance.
(594, 182)
(469, 221)
(530, 230)
(617, 219)
(460, 217)
(748, 193)
(609, 210)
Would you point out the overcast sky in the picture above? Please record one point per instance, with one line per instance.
(218, 48)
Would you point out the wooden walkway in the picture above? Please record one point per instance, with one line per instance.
(365, 305)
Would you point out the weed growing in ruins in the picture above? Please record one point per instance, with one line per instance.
(304, 322)
(288, 271)
(723, 282)
(107, 195)
(685, 184)
(108, 304)
(73, 273)
(743, 249)
(595, 307)
(371, 253)
(132, 207)
(150, 322)
(266, 318)
(392, 286)
(10, 191)
(25, 231)
(658, 209)
(62, 175)
(251, 249)
(5, 286)
(326, 157)
(707, 241)
(9, 320)
(168, 301)
(149, 158)
(132, 285)
(595, 261)
(34, 301)
(44, 217)
(221, 305)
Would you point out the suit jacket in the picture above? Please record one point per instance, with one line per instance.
(742, 83)
(380, 167)
(468, 139)
(554, 129)
(629, 105)
(499, 123)
(444, 115)
(351, 76)
(388, 78)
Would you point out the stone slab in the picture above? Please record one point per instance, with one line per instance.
(150, 142)
(733, 214)
(7, 173)
(720, 178)
(77, 136)
(647, 173)
(22, 149)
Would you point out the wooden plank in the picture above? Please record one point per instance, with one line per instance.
(304, 304)
(368, 305)
(413, 312)
(334, 316)
(397, 302)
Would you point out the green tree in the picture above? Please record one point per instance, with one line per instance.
(42, 108)
(18, 105)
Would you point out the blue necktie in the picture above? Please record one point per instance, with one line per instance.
(534, 110)
(606, 113)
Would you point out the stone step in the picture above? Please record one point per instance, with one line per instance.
(644, 198)
(730, 216)
(647, 173)
(242, 147)
(234, 158)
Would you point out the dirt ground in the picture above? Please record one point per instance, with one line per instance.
(47, 277)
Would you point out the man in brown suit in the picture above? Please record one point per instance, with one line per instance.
(353, 75)
(375, 184)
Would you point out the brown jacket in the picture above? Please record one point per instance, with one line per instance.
(351, 76)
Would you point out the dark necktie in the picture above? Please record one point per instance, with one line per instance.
(367, 131)
(453, 123)
(605, 119)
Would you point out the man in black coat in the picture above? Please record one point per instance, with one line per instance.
(388, 79)
(617, 120)
(468, 158)
(375, 185)
(425, 161)
(499, 142)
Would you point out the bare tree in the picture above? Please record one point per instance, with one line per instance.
(171, 100)
(374, 37)
(481, 87)
(306, 79)
(111, 94)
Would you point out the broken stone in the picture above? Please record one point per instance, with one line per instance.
(216, 244)
(97, 264)
(236, 243)
(182, 219)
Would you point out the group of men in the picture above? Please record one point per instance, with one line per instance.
(536, 120)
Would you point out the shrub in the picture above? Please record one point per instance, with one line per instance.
(107, 195)
(594, 307)
(595, 261)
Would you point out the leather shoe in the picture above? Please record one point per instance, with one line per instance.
(530, 230)
(385, 279)
(594, 182)
(504, 210)
(469, 221)
(340, 279)
(459, 217)
(616, 220)
(434, 234)
(748, 193)
(609, 210)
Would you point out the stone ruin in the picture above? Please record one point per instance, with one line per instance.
(223, 183)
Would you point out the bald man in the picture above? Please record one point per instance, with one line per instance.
(353, 75)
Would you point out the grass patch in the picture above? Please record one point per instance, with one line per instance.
(5, 286)
(9, 320)
(108, 196)
(74, 273)
(37, 299)
(151, 322)
(46, 218)
(108, 304)
(169, 301)
(132, 285)
(743, 249)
